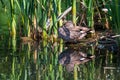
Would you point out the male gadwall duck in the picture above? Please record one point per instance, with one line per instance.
(70, 33)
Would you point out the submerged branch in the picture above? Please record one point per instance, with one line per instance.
(115, 36)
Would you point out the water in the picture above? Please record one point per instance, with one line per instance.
(39, 61)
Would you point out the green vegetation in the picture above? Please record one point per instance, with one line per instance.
(29, 17)
(40, 20)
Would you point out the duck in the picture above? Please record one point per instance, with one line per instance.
(70, 33)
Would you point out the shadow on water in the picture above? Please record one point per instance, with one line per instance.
(44, 61)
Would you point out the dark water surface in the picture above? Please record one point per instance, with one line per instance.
(39, 61)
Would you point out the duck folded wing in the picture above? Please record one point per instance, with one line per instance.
(69, 32)
(69, 35)
(79, 28)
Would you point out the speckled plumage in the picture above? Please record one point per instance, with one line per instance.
(69, 32)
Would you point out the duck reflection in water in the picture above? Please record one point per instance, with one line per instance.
(70, 57)
(70, 33)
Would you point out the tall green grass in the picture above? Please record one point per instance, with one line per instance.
(89, 4)
(34, 14)
(114, 14)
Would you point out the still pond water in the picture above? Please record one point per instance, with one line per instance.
(39, 61)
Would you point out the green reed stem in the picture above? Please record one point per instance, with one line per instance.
(28, 28)
(44, 27)
(59, 11)
(13, 69)
(90, 14)
(60, 22)
(13, 22)
(54, 17)
(75, 73)
(61, 72)
(13, 26)
(74, 12)
(50, 17)
(44, 18)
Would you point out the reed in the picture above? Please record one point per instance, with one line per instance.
(13, 19)
(90, 12)
(44, 18)
(34, 14)
(61, 72)
(59, 11)
(75, 72)
(74, 12)
(54, 17)
(28, 28)
(50, 20)
(114, 14)
(60, 23)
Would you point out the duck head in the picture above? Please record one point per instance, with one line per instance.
(68, 24)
